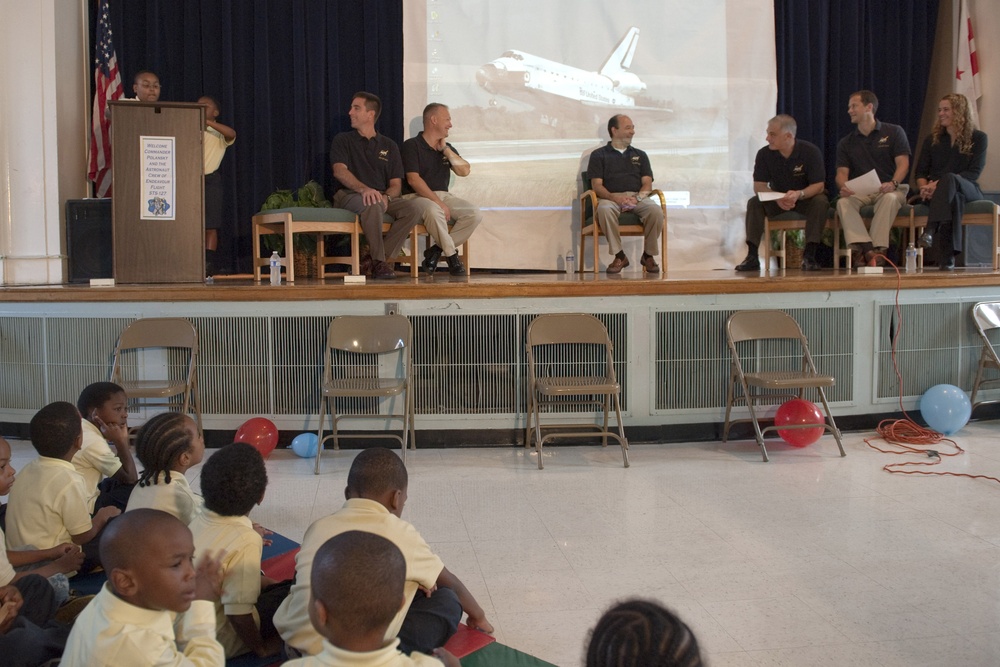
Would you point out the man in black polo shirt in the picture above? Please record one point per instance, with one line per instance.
(429, 160)
(370, 172)
(884, 148)
(622, 177)
(793, 167)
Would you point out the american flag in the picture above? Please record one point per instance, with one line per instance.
(107, 86)
(967, 62)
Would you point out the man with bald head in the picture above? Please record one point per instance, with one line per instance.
(148, 556)
(622, 177)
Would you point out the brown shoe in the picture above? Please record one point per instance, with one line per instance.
(617, 265)
(382, 271)
(649, 264)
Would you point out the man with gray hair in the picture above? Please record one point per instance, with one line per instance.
(428, 161)
(793, 167)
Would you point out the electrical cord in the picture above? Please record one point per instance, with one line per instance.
(905, 436)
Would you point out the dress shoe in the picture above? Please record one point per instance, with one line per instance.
(875, 257)
(649, 264)
(455, 266)
(382, 271)
(431, 257)
(617, 265)
(365, 266)
(926, 240)
(751, 263)
(947, 264)
(810, 264)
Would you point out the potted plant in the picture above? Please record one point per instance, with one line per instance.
(309, 195)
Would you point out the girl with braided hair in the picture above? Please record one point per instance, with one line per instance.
(641, 633)
(167, 446)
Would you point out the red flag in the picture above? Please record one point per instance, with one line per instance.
(967, 62)
(107, 87)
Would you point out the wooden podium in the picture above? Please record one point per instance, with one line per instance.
(158, 212)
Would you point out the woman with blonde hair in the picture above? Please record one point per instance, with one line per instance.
(951, 160)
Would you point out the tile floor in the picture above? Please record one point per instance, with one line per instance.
(810, 559)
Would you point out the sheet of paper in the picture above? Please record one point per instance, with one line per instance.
(770, 196)
(865, 184)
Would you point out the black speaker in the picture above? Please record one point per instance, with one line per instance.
(89, 239)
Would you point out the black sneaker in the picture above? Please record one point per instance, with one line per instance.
(809, 264)
(751, 263)
(431, 258)
(455, 266)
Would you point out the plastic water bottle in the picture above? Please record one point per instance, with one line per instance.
(911, 259)
(570, 262)
(275, 268)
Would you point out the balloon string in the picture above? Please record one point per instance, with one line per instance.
(905, 436)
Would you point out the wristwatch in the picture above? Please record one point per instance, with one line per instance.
(895, 184)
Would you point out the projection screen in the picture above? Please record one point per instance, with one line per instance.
(531, 85)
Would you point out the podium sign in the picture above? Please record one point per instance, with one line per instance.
(158, 212)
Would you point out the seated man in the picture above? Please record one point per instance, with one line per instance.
(884, 148)
(369, 170)
(428, 160)
(795, 168)
(622, 177)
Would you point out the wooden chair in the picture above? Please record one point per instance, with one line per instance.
(166, 334)
(304, 220)
(628, 225)
(904, 220)
(790, 370)
(362, 342)
(783, 223)
(416, 255)
(980, 212)
(551, 379)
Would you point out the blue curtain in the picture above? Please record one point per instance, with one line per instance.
(283, 72)
(827, 49)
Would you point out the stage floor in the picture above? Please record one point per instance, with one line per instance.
(490, 285)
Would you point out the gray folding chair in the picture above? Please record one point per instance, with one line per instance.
(358, 349)
(749, 330)
(550, 382)
(178, 340)
(986, 316)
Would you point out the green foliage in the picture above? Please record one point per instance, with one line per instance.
(309, 195)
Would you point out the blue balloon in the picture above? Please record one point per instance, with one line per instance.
(305, 445)
(945, 408)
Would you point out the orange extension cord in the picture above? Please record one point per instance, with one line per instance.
(905, 436)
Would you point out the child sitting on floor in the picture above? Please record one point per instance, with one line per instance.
(376, 493)
(233, 480)
(39, 603)
(635, 633)
(149, 558)
(357, 589)
(167, 446)
(48, 505)
(28, 632)
(104, 407)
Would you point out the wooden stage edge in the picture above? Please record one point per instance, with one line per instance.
(489, 285)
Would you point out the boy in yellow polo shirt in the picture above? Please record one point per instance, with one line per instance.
(435, 598)
(48, 505)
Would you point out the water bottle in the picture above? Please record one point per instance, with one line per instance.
(911, 259)
(275, 268)
(570, 262)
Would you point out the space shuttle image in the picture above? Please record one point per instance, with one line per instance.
(526, 77)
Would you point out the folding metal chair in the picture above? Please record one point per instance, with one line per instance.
(750, 329)
(174, 336)
(986, 317)
(551, 381)
(359, 349)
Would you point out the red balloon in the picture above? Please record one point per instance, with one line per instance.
(799, 412)
(260, 433)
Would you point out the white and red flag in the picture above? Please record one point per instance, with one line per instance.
(967, 63)
(107, 87)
